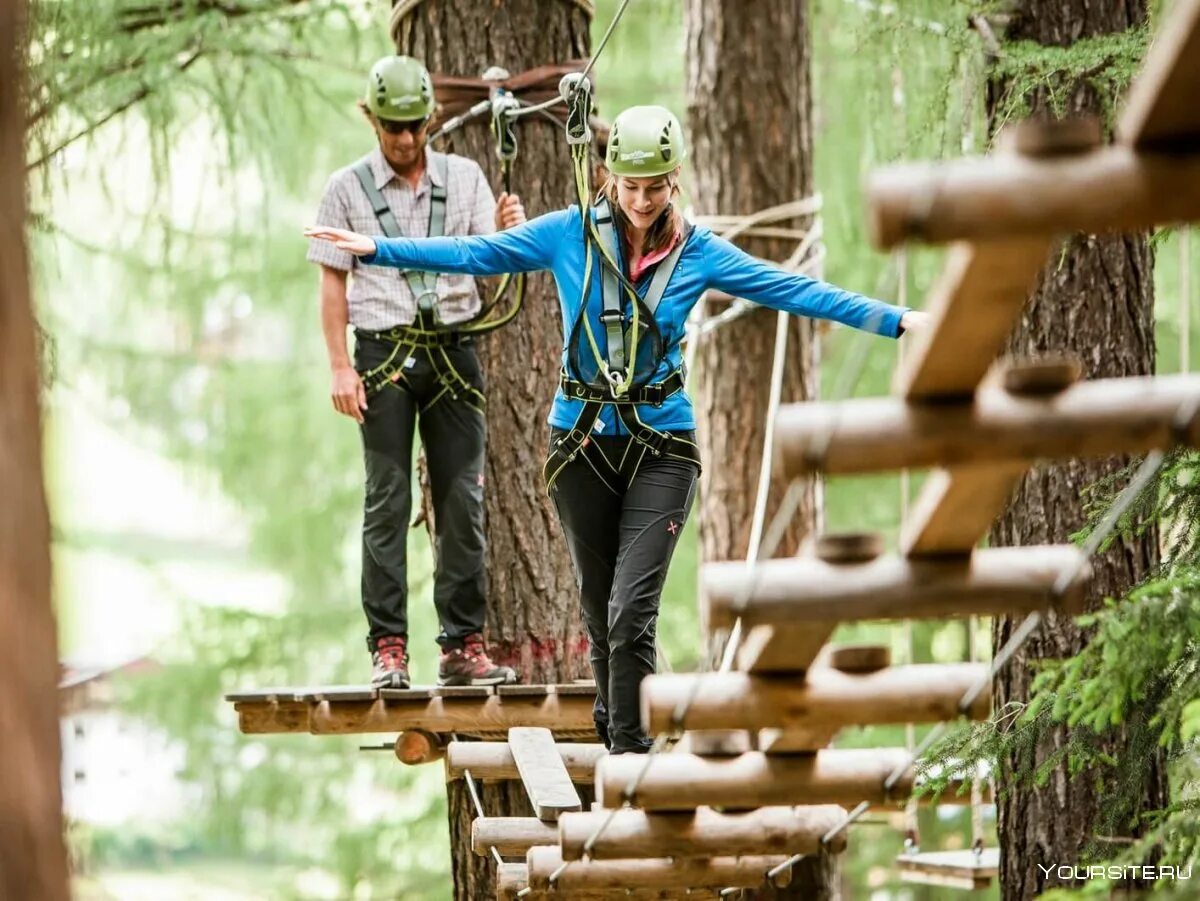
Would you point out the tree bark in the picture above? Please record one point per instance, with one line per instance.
(32, 855)
(750, 123)
(1095, 299)
(533, 608)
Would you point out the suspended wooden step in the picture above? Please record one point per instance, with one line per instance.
(494, 761)
(511, 836)
(917, 693)
(475, 711)
(965, 869)
(631, 834)
(1004, 196)
(585, 875)
(1089, 419)
(841, 776)
(543, 773)
(805, 589)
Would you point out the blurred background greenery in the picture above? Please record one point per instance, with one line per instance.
(206, 499)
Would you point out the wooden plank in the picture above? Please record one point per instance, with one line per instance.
(781, 649)
(716, 872)
(337, 693)
(1007, 197)
(974, 305)
(581, 688)
(1161, 110)
(407, 694)
(524, 691)
(262, 695)
(495, 761)
(803, 591)
(954, 869)
(685, 782)
(542, 771)
(997, 426)
(511, 836)
(636, 834)
(463, 691)
(916, 693)
(956, 508)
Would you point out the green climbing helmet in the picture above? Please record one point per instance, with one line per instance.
(399, 89)
(644, 142)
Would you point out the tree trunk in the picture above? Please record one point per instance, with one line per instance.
(533, 608)
(750, 122)
(1096, 300)
(32, 857)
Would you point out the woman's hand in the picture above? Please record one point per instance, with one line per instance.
(915, 321)
(351, 242)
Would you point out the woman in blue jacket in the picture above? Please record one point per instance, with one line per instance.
(623, 460)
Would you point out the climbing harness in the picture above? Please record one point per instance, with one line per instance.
(621, 373)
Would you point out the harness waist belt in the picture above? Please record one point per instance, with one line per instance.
(416, 336)
(653, 394)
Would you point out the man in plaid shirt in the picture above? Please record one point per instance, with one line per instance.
(431, 377)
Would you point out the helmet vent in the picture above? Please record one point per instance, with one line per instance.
(664, 143)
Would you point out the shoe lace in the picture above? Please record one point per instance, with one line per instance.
(473, 648)
(391, 653)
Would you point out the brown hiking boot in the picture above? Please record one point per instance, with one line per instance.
(470, 665)
(390, 661)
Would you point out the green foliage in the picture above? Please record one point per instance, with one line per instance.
(1138, 677)
(1106, 63)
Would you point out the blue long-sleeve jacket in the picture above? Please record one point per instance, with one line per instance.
(555, 242)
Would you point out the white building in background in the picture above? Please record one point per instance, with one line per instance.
(116, 768)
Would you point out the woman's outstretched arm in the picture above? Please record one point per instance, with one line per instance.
(526, 248)
(735, 272)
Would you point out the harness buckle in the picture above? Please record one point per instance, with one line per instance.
(653, 440)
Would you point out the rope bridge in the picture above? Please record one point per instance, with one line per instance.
(755, 736)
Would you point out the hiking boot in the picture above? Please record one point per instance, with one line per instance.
(390, 661)
(470, 665)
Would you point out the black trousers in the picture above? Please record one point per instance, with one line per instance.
(622, 524)
(439, 391)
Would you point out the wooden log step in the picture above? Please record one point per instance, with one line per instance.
(682, 782)
(542, 771)
(1090, 419)
(717, 872)
(961, 869)
(917, 693)
(860, 658)
(416, 746)
(1113, 188)
(715, 742)
(781, 648)
(511, 836)
(492, 761)
(633, 834)
(807, 590)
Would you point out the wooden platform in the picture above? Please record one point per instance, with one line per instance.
(470, 711)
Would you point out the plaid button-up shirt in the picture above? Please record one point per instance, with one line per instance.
(381, 298)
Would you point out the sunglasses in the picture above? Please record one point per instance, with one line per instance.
(394, 127)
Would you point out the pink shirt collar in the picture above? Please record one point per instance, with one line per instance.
(635, 272)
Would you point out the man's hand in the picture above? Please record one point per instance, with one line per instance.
(915, 321)
(349, 395)
(351, 242)
(509, 211)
